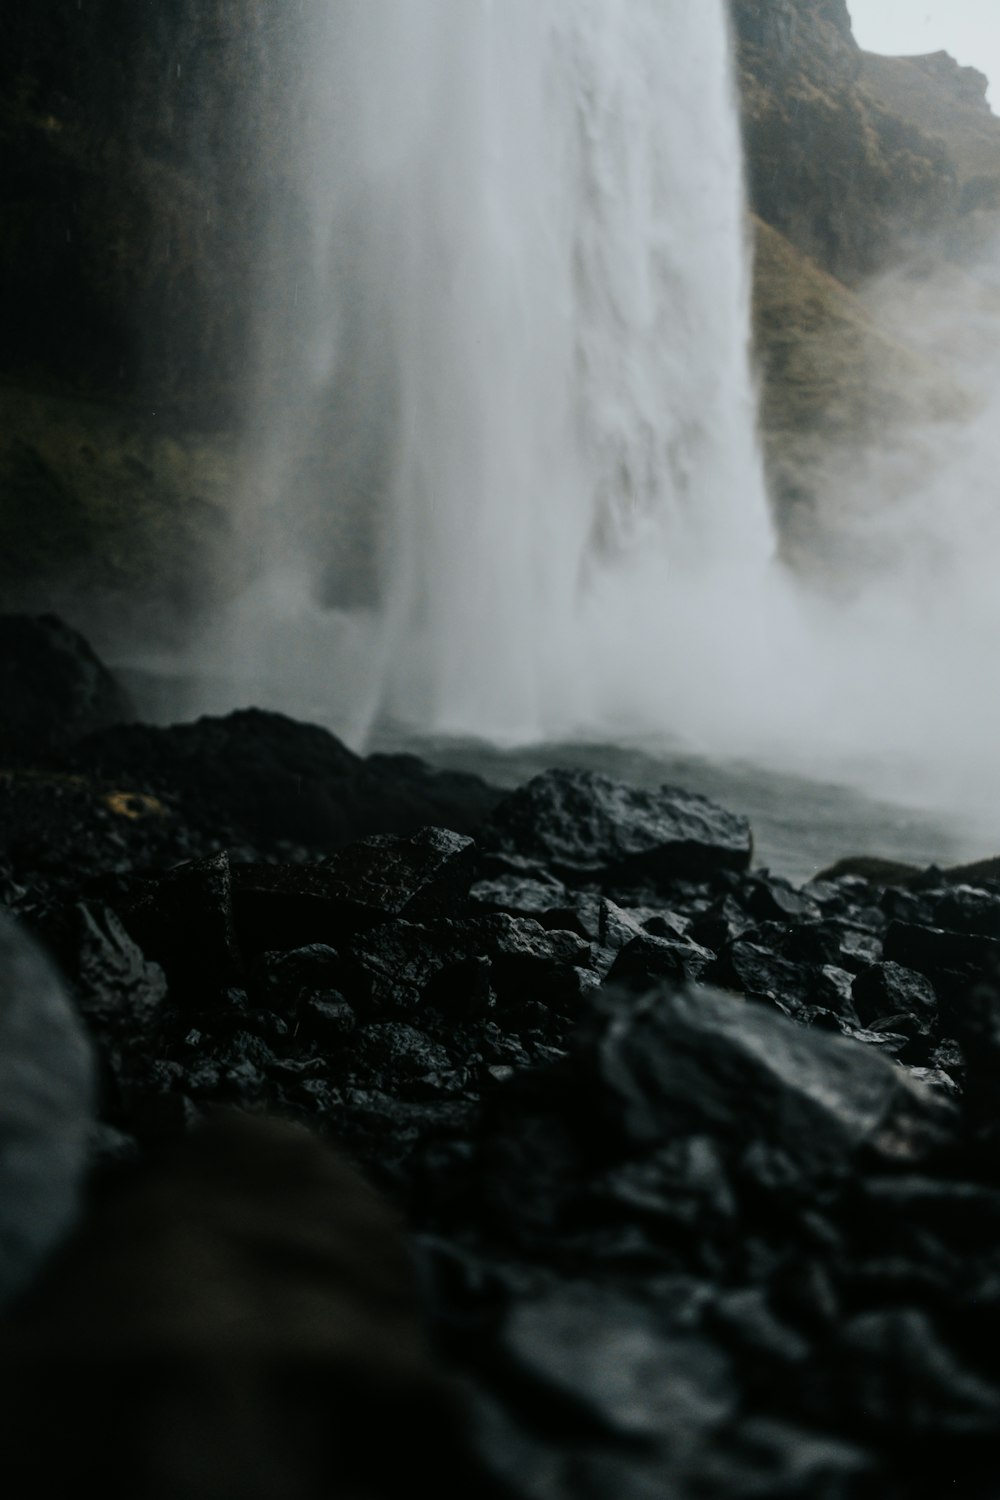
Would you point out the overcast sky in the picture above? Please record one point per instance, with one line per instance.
(968, 29)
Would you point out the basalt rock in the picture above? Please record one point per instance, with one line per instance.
(46, 1108)
(670, 1241)
(585, 826)
(52, 686)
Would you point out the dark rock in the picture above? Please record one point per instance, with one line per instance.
(720, 924)
(759, 974)
(647, 960)
(887, 989)
(702, 1062)
(627, 1374)
(898, 1374)
(585, 826)
(265, 778)
(460, 965)
(53, 688)
(116, 985)
(520, 895)
(769, 898)
(46, 1108)
(254, 1297)
(416, 876)
(326, 1017)
(964, 908)
(948, 959)
(185, 921)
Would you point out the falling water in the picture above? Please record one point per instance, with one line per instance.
(527, 285)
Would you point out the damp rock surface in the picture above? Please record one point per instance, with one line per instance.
(696, 1173)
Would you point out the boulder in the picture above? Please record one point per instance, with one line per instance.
(697, 1061)
(46, 1108)
(585, 826)
(53, 688)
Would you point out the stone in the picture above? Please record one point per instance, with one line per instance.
(582, 826)
(889, 988)
(54, 689)
(47, 1107)
(698, 1061)
(118, 988)
(647, 960)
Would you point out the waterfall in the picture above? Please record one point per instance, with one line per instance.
(516, 359)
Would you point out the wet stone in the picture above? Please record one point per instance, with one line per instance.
(116, 984)
(647, 960)
(581, 825)
(890, 989)
(700, 1062)
(965, 908)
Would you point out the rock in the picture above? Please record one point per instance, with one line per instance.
(46, 1108)
(184, 920)
(117, 988)
(966, 908)
(585, 826)
(53, 688)
(251, 1296)
(701, 1062)
(267, 780)
(417, 877)
(647, 960)
(630, 1376)
(468, 966)
(886, 989)
(949, 960)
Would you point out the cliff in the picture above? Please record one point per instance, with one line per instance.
(133, 244)
(856, 164)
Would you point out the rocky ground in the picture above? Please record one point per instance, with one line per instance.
(687, 1180)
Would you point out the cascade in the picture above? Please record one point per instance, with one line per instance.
(522, 314)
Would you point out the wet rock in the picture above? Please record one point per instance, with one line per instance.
(184, 920)
(761, 975)
(466, 965)
(965, 908)
(720, 924)
(888, 989)
(647, 960)
(520, 895)
(950, 960)
(46, 1108)
(289, 971)
(117, 986)
(265, 779)
(702, 1062)
(622, 1370)
(53, 688)
(417, 877)
(584, 826)
(769, 898)
(327, 1018)
(899, 1375)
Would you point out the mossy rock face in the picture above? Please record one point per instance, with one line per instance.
(938, 96)
(834, 379)
(830, 165)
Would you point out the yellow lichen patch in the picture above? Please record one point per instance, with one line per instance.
(134, 805)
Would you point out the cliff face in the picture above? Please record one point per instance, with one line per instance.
(855, 164)
(131, 243)
(829, 166)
